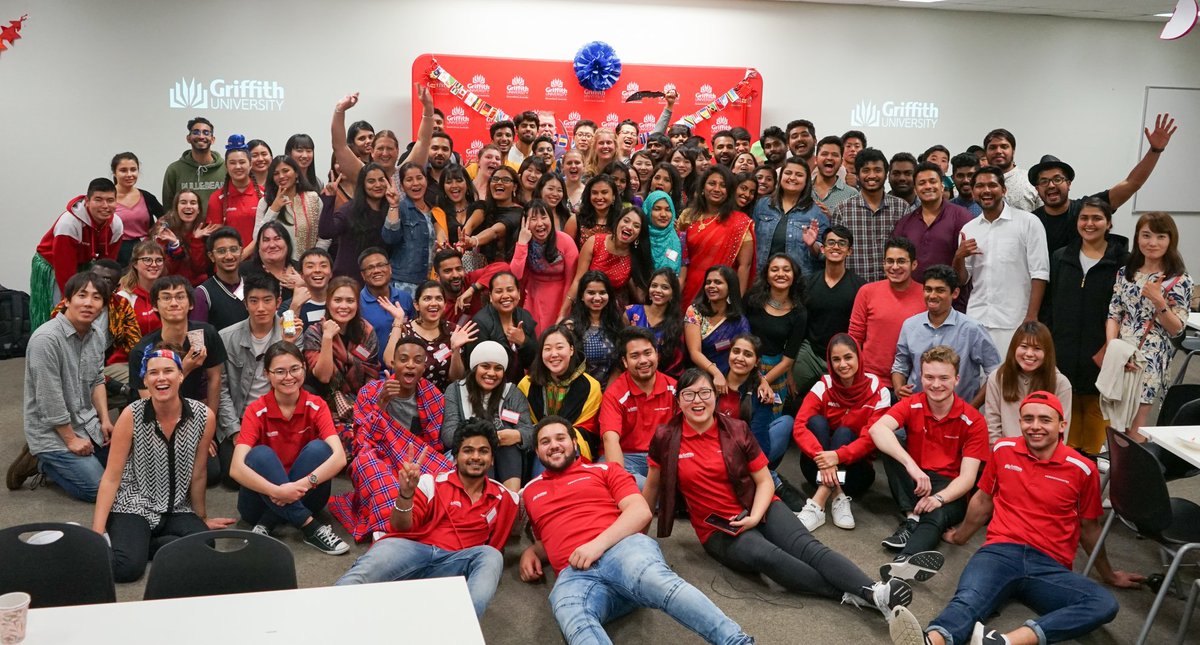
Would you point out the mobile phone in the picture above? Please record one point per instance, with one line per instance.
(723, 523)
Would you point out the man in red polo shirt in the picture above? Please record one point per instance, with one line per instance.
(1043, 498)
(587, 520)
(636, 403)
(454, 523)
(931, 474)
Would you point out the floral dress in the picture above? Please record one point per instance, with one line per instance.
(1135, 312)
(438, 354)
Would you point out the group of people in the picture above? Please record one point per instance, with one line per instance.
(644, 321)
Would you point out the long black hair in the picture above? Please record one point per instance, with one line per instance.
(550, 248)
(700, 204)
(671, 327)
(611, 319)
(676, 191)
(734, 309)
(760, 290)
(640, 256)
(562, 214)
(271, 190)
(304, 142)
(539, 374)
(363, 219)
(615, 166)
(587, 216)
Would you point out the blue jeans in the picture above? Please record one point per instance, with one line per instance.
(1070, 604)
(403, 559)
(257, 508)
(859, 475)
(78, 476)
(629, 575)
(407, 287)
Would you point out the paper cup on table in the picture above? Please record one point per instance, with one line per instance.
(196, 339)
(14, 610)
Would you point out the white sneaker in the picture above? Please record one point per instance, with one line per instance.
(891, 594)
(840, 508)
(812, 516)
(1102, 465)
(905, 629)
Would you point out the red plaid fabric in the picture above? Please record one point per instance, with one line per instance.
(380, 446)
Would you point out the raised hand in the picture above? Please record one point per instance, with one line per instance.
(1164, 127)
(516, 333)
(966, 247)
(424, 97)
(811, 232)
(348, 101)
(463, 334)
(392, 195)
(671, 96)
(524, 234)
(329, 329)
(395, 310)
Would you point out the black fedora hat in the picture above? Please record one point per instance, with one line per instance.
(1048, 162)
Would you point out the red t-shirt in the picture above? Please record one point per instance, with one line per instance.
(940, 445)
(1040, 503)
(263, 424)
(875, 321)
(704, 479)
(239, 211)
(633, 414)
(569, 509)
(444, 516)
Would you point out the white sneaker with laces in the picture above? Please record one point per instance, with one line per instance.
(812, 516)
(840, 508)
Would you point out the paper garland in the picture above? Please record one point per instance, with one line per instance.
(490, 112)
(11, 33)
(740, 91)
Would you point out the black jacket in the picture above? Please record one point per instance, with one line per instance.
(520, 359)
(1079, 308)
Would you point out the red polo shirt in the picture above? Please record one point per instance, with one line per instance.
(239, 211)
(444, 515)
(940, 445)
(704, 479)
(263, 424)
(1040, 503)
(569, 509)
(633, 414)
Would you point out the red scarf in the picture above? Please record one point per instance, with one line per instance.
(848, 397)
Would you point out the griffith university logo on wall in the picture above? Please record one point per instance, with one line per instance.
(458, 119)
(611, 121)
(705, 95)
(517, 89)
(595, 96)
(556, 91)
(895, 114)
(479, 86)
(629, 90)
(647, 124)
(473, 149)
(720, 124)
(570, 121)
(219, 94)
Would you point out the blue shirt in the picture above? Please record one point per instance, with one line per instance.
(379, 318)
(977, 355)
(969, 204)
(766, 220)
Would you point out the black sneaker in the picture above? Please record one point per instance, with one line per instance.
(326, 541)
(891, 594)
(21, 469)
(898, 540)
(984, 636)
(791, 496)
(917, 566)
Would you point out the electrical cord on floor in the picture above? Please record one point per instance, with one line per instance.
(789, 601)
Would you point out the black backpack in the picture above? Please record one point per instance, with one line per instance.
(14, 322)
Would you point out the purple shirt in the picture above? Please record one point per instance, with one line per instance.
(935, 244)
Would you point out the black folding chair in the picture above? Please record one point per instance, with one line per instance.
(1138, 492)
(194, 565)
(66, 564)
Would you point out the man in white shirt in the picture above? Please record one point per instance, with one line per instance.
(1000, 147)
(1003, 255)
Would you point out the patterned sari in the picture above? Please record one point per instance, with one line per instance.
(710, 243)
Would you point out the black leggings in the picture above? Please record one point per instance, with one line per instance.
(784, 551)
(218, 467)
(134, 543)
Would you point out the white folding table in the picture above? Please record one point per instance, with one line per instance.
(1171, 438)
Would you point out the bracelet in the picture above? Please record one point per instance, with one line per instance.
(403, 510)
(398, 495)
(1159, 150)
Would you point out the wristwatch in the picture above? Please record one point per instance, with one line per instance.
(313, 481)
(938, 497)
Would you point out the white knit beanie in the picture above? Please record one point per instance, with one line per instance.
(489, 351)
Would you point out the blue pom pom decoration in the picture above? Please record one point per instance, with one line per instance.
(597, 66)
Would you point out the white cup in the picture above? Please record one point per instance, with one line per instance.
(14, 610)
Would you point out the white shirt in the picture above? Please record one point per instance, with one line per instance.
(1019, 193)
(1012, 252)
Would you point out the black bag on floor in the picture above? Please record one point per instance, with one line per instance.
(14, 322)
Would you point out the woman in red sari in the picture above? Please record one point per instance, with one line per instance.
(716, 233)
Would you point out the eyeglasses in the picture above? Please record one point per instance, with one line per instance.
(371, 268)
(838, 244)
(201, 133)
(1057, 180)
(687, 396)
(502, 180)
(899, 262)
(295, 370)
(151, 260)
(172, 297)
(225, 250)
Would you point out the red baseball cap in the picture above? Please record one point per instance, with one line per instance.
(1045, 398)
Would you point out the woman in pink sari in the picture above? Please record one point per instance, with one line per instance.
(716, 233)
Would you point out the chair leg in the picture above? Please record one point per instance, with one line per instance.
(1112, 515)
(1187, 612)
(1183, 369)
(1162, 592)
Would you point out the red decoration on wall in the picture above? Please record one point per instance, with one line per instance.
(11, 33)
(515, 85)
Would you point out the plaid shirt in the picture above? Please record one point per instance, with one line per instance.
(380, 445)
(871, 229)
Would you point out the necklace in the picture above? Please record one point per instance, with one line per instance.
(771, 302)
(704, 221)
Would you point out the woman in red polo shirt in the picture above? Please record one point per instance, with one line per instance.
(287, 454)
(236, 204)
(715, 462)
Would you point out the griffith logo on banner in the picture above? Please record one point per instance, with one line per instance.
(630, 88)
(479, 86)
(473, 150)
(593, 96)
(556, 91)
(917, 115)
(244, 95)
(667, 88)
(705, 95)
(647, 124)
(611, 121)
(458, 119)
(720, 124)
(517, 89)
(570, 121)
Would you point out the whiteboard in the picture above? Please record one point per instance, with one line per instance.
(1172, 185)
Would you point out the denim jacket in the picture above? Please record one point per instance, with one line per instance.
(766, 219)
(408, 242)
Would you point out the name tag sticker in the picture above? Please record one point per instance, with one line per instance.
(442, 354)
(723, 345)
(671, 254)
(315, 315)
(632, 408)
(362, 352)
(509, 416)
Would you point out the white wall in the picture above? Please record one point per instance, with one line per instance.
(89, 79)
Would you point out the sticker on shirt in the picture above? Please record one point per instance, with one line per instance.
(315, 315)
(509, 416)
(632, 408)
(272, 433)
(442, 354)
(722, 345)
(361, 352)
(671, 254)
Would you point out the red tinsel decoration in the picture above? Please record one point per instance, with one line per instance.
(11, 33)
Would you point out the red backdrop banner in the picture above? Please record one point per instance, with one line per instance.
(516, 84)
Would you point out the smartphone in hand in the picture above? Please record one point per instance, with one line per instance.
(723, 523)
